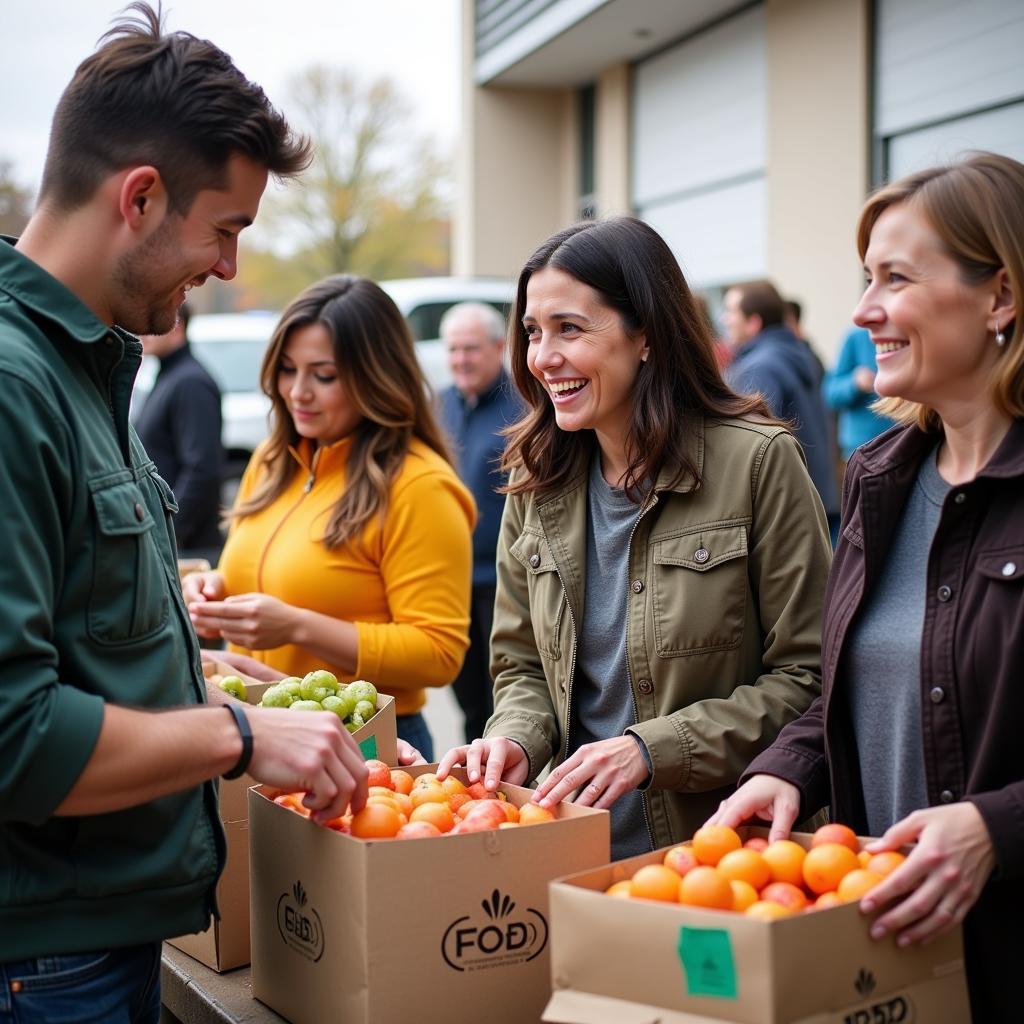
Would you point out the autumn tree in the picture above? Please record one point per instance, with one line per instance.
(370, 204)
(15, 202)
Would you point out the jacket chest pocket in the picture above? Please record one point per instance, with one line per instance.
(546, 594)
(700, 591)
(128, 599)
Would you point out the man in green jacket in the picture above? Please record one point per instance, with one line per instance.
(109, 832)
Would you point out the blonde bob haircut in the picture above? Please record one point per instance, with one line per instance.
(976, 207)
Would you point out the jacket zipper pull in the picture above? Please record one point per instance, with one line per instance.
(309, 483)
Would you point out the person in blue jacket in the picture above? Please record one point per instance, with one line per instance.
(849, 388)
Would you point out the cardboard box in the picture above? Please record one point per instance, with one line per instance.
(451, 928)
(225, 944)
(630, 961)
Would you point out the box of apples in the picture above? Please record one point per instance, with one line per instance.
(730, 927)
(428, 904)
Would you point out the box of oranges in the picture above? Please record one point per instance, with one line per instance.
(728, 927)
(430, 904)
(225, 944)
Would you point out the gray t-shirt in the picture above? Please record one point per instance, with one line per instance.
(883, 663)
(602, 704)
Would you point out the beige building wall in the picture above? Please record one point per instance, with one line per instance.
(818, 156)
(611, 144)
(517, 170)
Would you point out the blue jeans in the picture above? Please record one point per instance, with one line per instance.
(119, 986)
(413, 729)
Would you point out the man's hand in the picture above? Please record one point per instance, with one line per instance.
(596, 775)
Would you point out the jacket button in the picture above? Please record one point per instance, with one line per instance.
(946, 796)
(534, 561)
(1009, 569)
(937, 694)
(701, 555)
(140, 512)
(645, 686)
(960, 498)
(637, 586)
(943, 593)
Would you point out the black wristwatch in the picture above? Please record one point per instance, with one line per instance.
(246, 733)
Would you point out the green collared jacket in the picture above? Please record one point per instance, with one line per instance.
(90, 614)
(723, 629)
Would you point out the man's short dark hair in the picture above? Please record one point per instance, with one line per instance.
(794, 309)
(761, 298)
(169, 100)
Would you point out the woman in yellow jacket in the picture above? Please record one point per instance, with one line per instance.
(350, 540)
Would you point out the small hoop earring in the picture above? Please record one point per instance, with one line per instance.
(1000, 337)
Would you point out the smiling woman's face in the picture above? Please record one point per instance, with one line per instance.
(932, 331)
(308, 382)
(582, 354)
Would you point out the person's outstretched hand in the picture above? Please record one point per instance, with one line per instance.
(766, 797)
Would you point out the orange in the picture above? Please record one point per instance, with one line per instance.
(457, 800)
(293, 801)
(509, 824)
(534, 814)
(836, 833)
(380, 773)
(425, 780)
(655, 882)
(712, 842)
(418, 830)
(826, 900)
(621, 890)
(765, 910)
(863, 856)
(680, 859)
(886, 862)
(404, 802)
(857, 883)
(756, 843)
(785, 893)
(705, 886)
(439, 815)
(785, 860)
(478, 791)
(453, 785)
(743, 895)
(825, 866)
(376, 821)
(401, 782)
(431, 793)
(511, 811)
(745, 866)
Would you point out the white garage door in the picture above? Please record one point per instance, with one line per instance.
(949, 78)
(698, 149)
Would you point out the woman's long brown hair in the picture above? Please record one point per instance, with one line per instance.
(376, 361)
(634, 272)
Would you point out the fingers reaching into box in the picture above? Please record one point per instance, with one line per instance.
(598, 774)
(203, 586)
(763, 796)
(499, 759)
(310, 753)
(408, 754)
(940, 880)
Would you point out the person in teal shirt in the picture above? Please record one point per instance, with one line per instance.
(849, 388)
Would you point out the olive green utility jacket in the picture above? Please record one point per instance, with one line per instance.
(723, 629)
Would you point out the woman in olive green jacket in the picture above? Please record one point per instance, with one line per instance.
(663, 553)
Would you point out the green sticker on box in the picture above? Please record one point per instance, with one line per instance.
(368, 748)
(706, 956)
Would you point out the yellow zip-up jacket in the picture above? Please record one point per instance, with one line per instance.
(404, 583)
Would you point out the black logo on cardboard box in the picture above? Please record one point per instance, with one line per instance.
(299, 924)
(499, 937)
(895, 1010)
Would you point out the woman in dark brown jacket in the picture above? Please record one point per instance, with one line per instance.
(919, 733)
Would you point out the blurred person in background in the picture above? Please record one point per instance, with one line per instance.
(179, 424)
(110, 837)
(792, 318)
(349, 547)
(916, 736)
(662, 557)
(768, 359)
(849, 388)
(475, 411)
